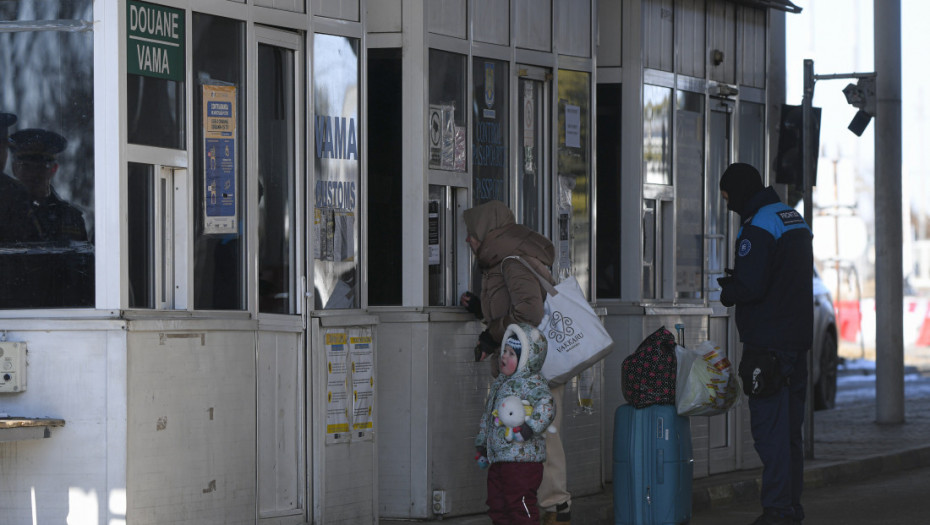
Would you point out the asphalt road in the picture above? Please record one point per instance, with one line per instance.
(894, 499)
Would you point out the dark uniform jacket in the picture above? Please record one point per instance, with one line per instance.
(772, 282)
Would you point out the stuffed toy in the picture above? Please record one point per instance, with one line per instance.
(511, 414)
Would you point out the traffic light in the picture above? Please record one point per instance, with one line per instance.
(861, 95)
(789, 160)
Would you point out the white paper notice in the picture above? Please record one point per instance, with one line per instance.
(572, 126)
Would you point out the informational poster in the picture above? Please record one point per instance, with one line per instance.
(337, 382)
(220, 170)
(363, 382)
(435, 135)
(529, 128)
(572, 126)
(447, 155)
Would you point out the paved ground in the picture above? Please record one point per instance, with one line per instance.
(848, 447)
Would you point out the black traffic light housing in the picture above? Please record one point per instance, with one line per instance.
(789, 162)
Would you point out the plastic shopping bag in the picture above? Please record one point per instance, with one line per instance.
(706, 384)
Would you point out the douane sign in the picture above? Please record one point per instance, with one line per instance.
(155, 41)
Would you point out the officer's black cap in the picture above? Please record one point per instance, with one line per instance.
(36, 144)
(6, 120)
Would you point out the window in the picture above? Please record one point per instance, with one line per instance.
(689, 195)
(219, 158)
(385, 172)
(47, 189)
(658, 194)
(447, 111)
(491, 132)
(608, 190)
(573, 241)
(277, 174)
(335, 230)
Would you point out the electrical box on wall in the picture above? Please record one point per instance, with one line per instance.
(12, 367)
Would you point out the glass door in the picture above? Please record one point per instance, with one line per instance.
(531, 148)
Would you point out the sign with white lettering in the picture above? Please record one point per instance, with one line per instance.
(155, 41)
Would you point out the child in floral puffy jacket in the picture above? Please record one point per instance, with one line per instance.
(516, 465)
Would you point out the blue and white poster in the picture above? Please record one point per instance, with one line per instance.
(219, 163)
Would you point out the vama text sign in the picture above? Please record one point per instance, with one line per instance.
(155, 41)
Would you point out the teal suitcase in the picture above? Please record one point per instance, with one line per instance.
(653, 466)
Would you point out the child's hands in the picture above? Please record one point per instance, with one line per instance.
(481, 457)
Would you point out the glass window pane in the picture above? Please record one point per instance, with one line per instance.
(385, 172)
(491, 131)
(531, 166)
(657, 127)
(608, 190)
(689, 197)
(141, 235)
(447, 113)
(218, 189)
(574, 236)
(276, 178)
(335, 235)
(47, 189)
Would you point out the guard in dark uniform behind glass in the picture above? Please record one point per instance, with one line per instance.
(45, 259)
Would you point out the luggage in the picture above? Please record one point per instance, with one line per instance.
(653, 466)
(648, 375)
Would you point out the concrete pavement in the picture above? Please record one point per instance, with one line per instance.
(848, 446)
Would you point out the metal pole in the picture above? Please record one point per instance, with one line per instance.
(889, 278)
(807, 159)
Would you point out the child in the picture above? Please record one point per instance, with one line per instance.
(516, 457)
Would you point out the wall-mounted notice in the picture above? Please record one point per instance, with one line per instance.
(572, 126)
(362, 355)
(219, 163)
(337, 381)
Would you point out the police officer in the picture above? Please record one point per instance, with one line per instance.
(771, 285)
(44, 215)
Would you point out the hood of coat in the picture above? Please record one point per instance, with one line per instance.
(481, 219)
(533, 353)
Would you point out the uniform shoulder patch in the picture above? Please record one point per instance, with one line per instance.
(789, 217)
(744, 247)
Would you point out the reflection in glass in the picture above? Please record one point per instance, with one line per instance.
(219, 258)
(531, 165)
(491, 132)
(649, 248)
(689, 197)
(47, 230)
(657, 126)
(573, 241)
(447, 117)
(718, 245)
(276, 178)
(155, 112)
(334, 226)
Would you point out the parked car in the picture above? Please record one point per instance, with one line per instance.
(824, 348)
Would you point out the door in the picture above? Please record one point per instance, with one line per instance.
(275, 175)
(722, 435)
(532, 155)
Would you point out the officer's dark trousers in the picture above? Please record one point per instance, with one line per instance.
(776, 430)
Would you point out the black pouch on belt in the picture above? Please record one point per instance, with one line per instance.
(760, 371)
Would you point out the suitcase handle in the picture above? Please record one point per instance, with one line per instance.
(660, 466)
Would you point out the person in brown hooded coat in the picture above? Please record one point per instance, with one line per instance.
(510, 293)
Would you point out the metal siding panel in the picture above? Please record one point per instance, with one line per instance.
(492, 22)
(691, 40)
(573, 27)
(721, 34)
(280, 389)
(402, 433)
(751, 47)
(658, 42)
(458, 391)
(533, 22)
(609, 24)
(296, 6)
(385, 16)
(447, 17)
(338, 9)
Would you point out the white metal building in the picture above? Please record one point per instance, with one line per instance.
(260, 321)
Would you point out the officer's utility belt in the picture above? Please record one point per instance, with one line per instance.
(760, 371)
